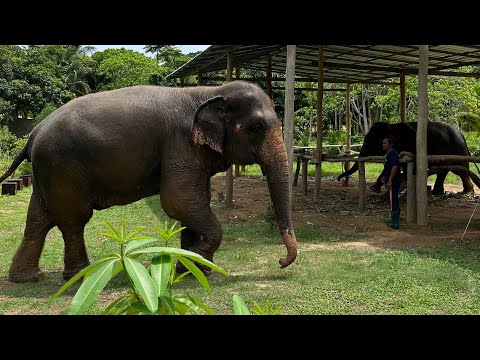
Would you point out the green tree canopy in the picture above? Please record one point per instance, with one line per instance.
(118, 68)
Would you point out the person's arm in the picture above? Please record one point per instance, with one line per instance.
(393, 173)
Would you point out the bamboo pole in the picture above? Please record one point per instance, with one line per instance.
(269, 76)
(348, 124)
(411, 203)
(289, 110)
(318, 167)
(474, 159)
(305, 177)
(362, 186)
(403, 99)
(421, 140)
(229, 173)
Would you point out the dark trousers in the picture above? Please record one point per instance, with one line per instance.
(394, 204)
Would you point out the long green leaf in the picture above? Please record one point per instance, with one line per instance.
(123, 228)
(180, 252)
(134, 244)
(143, 283)
(239, 307)
(78, 275)
(181, 308)
(92, 286)
(111, 227)
(192, 307)
(135, 231)
(112, 236)
(120, 305)
(160, 270)
(202, 279)
(167, 302)
(199, 303)
(137, 308)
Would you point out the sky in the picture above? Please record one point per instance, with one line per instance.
(185, 48)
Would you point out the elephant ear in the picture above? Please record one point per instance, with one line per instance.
(209, 124)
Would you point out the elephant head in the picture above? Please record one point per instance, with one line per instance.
(372, 145)
(240, 124)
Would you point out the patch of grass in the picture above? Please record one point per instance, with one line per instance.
(325, 279)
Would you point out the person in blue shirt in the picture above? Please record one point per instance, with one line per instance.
(391, 178)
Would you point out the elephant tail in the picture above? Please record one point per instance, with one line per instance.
(469, 154)
(16, 162)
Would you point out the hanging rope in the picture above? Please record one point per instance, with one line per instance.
(470, 219)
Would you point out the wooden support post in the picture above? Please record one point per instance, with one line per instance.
(237, 167)
(297, 171)
(27, 180)
(318, 165)
(421, 155)
(362, 186)
(348, 123)
(289, 111)
(199, 79)
(305, 176)
(9, 188)
(182, 82)
(269, 76)
(411, 196)
(403, 99)
(229, 173)
(19, 183)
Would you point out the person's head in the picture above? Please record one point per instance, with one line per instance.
(387, 142)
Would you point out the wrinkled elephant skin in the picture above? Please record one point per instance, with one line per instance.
(116, 147)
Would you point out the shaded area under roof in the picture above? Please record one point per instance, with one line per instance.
(342, 63)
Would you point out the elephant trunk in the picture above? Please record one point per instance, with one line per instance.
(273, 160)
(350, 171)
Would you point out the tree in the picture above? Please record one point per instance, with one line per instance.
(118, 68)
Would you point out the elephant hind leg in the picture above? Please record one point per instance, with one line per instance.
(75, 257)
(25, 264)
(438, 188)
(467, 183)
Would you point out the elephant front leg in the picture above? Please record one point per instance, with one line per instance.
(25, 266)
(192, 208)
(188, 238)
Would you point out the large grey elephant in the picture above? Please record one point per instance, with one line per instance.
(119, 146)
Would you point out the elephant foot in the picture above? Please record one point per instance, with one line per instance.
(25, 276)
(68, 273)
(376, 188)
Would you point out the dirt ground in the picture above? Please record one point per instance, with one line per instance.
(448, 215)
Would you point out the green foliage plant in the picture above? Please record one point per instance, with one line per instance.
(10, 146)
(150, 288)
(240, 308)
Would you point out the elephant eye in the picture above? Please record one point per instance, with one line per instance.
(256, 126)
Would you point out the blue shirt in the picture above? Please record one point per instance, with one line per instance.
(391, 159)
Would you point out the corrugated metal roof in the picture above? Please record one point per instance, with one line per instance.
(354, 63)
